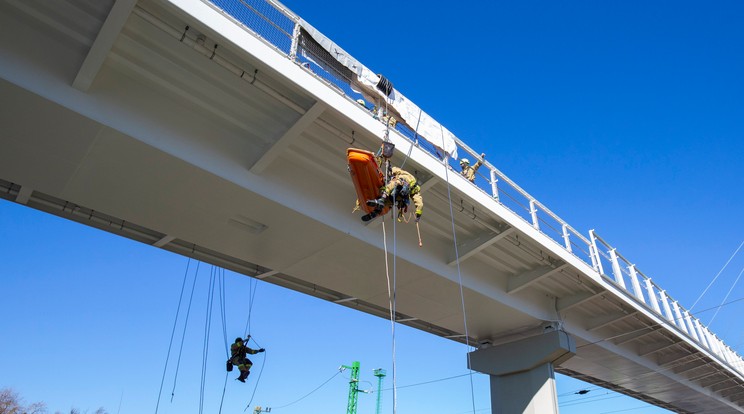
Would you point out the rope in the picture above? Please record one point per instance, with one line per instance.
(260, 372)
(459, 273)
(391, 301)
(173, 332)
(223, 313)
(183, 335)
(205, 347)
(716, 277)
(308, 394)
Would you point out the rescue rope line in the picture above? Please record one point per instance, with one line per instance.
(391, 301)
(459, 273)
(207, 331)
(221, 280)
(260, 372)
(173, 332)
(183, 335)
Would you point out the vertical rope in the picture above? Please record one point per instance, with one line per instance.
(223, 312)
(183, 335)
(391, 300)
(173, 332)
(459, 273)
(207, 330)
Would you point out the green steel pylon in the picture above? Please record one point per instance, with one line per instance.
(351, 408)
(380, 374)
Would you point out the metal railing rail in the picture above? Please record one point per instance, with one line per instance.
(273, 22)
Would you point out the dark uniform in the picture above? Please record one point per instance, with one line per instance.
(238, 352)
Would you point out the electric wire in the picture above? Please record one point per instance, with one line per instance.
(459, 273)
(173, 332)
(308, 394)
(183, 335)
(716, 277)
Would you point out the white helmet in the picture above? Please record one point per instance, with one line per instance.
(464, 161)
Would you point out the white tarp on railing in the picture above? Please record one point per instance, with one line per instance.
(366, 83)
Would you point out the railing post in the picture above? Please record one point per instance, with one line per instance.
(616, 269)
(494, 186)
(295, 42)
(533, 213)
(665, 304)
(652, 296)
(596, 262)
(701, 334)
(691, 326)
(679, 320)
(636, 285)
(566, 235)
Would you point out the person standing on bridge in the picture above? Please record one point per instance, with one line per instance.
(238, 351)
(401, 188)
(468, 171)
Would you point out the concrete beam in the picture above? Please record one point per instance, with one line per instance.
(101, 47)
(519, 282)
(469, 248)
(292, 134)
(568, 302)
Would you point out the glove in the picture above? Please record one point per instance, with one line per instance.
(261, 350)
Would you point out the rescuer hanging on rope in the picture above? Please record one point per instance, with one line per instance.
(238, 351)
(401, 188)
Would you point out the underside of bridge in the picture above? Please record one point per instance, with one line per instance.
(116, 116)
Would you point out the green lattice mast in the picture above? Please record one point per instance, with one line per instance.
(380, 374)
(351, 408)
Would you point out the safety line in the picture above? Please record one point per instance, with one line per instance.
(391, 301)
(260, 372)
(459, 273)
(223, 312)
(173, 332)
(183, 335)
(205, 347)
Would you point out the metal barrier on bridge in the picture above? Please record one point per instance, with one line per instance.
(280, 28)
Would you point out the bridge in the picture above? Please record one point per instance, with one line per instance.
(218, 130)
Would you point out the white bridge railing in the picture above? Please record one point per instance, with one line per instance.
(279, 27)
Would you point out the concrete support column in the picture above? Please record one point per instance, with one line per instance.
(522, 376)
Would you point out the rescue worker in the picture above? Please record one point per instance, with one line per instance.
(401, 188)
(238, 351)
(468, 171)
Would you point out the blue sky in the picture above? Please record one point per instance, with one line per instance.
(623, 117)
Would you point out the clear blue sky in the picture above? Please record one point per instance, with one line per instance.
(623, 117)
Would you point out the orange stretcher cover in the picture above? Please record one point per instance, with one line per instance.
(366, 175)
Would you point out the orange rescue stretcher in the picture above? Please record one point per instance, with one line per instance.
(367, 177)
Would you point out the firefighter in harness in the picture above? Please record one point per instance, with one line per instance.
(238, 352)
(400, 190)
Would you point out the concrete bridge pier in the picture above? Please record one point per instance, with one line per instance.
(522, 376)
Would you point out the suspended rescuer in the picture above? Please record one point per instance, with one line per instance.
(468, 171)
(238, 351)
(401, 188)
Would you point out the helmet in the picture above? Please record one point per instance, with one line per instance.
(361, 102)
(464, 161)
(238, 339)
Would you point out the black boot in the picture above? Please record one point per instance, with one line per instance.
(243, 375)
(378, 203)
(370, 216)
